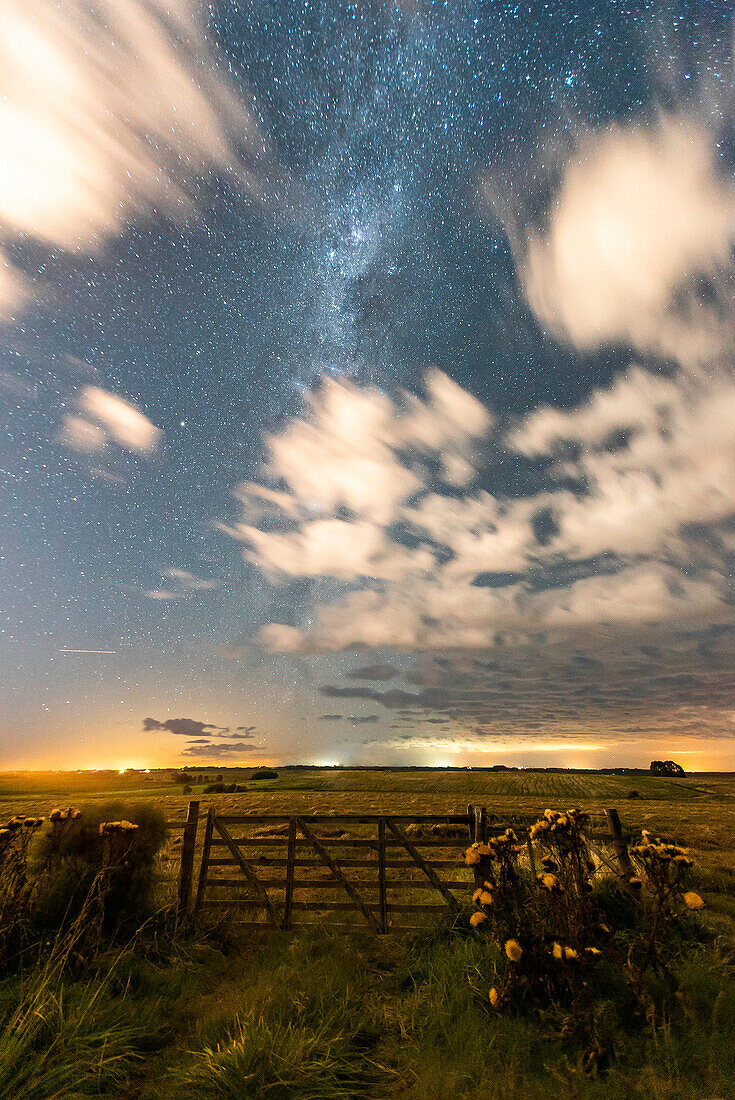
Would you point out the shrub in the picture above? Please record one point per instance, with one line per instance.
(74, 857)
(225, 788)
(264, 773)
(16, 885)
(554, 935)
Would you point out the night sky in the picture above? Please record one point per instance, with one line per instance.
(366, 375)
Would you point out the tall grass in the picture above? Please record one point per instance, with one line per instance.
(308, 1031)
(63, 1038)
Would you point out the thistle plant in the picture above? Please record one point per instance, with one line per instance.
(16, 887)
(661, 884)
(566, 881)
(61, 823)
(502, 897)
(549, 929)
(115, 839)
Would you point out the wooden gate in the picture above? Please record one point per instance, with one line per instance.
(384, 873)
(381, 871)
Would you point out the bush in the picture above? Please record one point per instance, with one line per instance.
(17, 887)
(555, 936)
(225, 788)
(72, 860)
(264, 773)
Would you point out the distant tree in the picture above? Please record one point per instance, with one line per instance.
(666, 767)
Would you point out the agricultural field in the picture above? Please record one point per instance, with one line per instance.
(208, 1010)
(699, 809)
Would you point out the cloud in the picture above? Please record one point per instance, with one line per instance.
(186, 584)
(191, 727)
(374, 672)
(674, 467)
(189, 582)
(641, 212)
(395, 698)
(81, 435)
(105, 110)
(122, 421)
(216, 750)
(357, 720)
(185, 727)
(105, 417)
(346, 453)
(677, 466)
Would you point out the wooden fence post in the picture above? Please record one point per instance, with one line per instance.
(188, 845)
(204, 869)
(382, 891)
(290, 871)
(477, 817)
(621, 848)
(531, 857)
(478, 835)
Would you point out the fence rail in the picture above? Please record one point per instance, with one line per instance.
(382, 870)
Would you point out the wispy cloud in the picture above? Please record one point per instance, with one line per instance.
(106, 110)
(105, 417)
(375, 672)
(189, 582)
(185, 584)
(356, 720)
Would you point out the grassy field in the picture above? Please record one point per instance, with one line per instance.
(699, 809)
(210, 1012)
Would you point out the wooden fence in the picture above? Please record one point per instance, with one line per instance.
(383, 873)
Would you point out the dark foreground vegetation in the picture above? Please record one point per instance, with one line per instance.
(572, 981)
